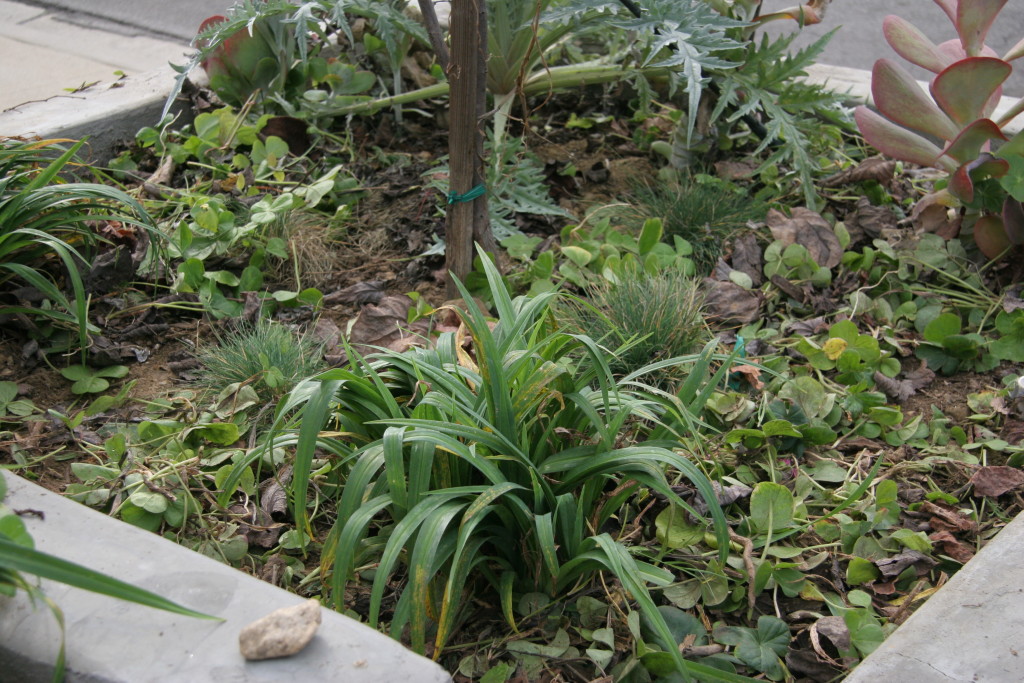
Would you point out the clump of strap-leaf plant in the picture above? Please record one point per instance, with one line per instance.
(46, 221)
(492, 470)
(642, 318)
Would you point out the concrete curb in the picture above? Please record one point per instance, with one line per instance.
(108, 114)
(972, 629)
(111, 641)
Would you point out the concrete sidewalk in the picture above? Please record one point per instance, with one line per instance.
(58, 54)
(47, 55)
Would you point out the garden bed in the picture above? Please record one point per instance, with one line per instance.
(850, 479)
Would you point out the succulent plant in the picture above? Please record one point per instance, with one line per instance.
(244, 62)
(959, 114)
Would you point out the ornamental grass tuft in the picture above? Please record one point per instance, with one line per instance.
(643, 319)
(265, 355)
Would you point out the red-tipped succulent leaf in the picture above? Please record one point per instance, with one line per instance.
(949, 7)
(898, 142)
(961, 183)
(968, 145)
(899, 98)
(973, 20)
(914, 46)
(970, 88)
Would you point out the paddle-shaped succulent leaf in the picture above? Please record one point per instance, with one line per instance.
(244, 62)
(958, 110)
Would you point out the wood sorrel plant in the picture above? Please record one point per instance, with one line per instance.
(987, 185)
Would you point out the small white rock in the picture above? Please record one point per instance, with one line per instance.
(281, 633)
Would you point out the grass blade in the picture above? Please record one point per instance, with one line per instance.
(22, 559)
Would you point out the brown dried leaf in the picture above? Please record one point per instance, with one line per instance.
(994, 481)
(751, 374)
(891, 567)
(255, 525)
(947, 518)
(382, 324)
(837, 632)
(726, 496)
(747, 257)
(727, 303)
(1012, 300)
(952, 547)
(902, 389)
(369, 292)
(873, 168)
(808, 328)
(932, 214)
(274, 499)
(872, 220)
(734, 170)
(809, 229)
(326, 332)
(791, 290)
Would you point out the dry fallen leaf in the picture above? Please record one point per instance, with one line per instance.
(891, 567)
(902, 389)
(809, 229)
(947, 518)
(747, 257)
(952, 547)
(870, 219)
(751, 374)
(932, 214)
(368, 292)
(994, 481)
(873, 168)
(727, 302)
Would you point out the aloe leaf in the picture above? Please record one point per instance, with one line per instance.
(966, 89)
(898, 96)
(898, 142)
(914, 46)
(19, 558)
(973, 20)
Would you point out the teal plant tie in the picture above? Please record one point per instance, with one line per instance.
(455, 197)
(735, 378)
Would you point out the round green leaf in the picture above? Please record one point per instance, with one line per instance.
(673, 531)
(150, 501)
(90, 385)
(771, 506)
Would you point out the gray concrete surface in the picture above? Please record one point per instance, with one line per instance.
(112, 641)
(970, 631)
(45, 55)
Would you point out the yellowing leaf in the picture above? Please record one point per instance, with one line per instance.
(834, 348)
